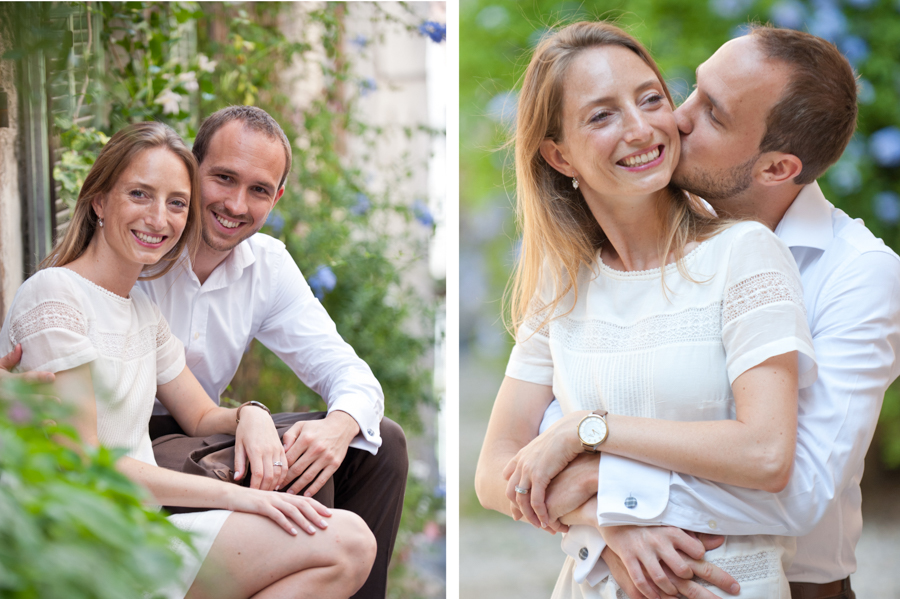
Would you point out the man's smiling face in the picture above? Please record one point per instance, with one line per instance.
(239, 179)
(724, 120)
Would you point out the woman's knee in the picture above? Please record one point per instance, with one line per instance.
(354, 545)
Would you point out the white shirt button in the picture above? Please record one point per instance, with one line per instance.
(196, 335)
(712, 524)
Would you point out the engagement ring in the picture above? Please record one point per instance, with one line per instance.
(277, 464)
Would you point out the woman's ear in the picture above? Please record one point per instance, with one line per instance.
(555, 157)
(97, 205)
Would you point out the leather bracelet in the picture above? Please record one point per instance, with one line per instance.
(237, 415)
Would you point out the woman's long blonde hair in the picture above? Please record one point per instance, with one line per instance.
(114, 158)
(559, 231)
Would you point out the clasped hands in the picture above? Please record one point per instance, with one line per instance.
(652, 561)
(310, 451)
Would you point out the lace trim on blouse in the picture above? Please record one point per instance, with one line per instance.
(58, 315)
(47, 315)
(598, 336)
(744, 568)
(689, 326)
(758, 291)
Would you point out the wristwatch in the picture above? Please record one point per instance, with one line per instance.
(593, 430)
(237, 415)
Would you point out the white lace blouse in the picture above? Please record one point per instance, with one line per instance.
(63, 321)
(631, 349)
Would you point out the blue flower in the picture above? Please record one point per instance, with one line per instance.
(828, 22)
(884, 145)
(866, 93)
(436, 31)
(789, 14)
(855, 49)
(845, 176)
(276, 221)
(367, 86)
(502, 108)
(422, 213)
(360, 41)
(887, 206)
(492, 17)
(322, 282)
(362, 205)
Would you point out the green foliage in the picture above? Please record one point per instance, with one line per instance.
(71, 525)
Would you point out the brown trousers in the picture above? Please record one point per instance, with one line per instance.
(840, 589)
(371, 486)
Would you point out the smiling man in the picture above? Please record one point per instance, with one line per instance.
(243, 285)
(770, 113)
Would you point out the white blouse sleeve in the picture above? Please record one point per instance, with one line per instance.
(170, 360)
(49, 317)
(531, 360)
(763, 314)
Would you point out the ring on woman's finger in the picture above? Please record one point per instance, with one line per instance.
(277, 464)
(522, 491)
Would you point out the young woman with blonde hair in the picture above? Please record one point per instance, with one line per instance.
(82, 318)
(667, 336)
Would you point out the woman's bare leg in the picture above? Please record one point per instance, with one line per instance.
(254, 557)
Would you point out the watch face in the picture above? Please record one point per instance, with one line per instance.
(592, 430)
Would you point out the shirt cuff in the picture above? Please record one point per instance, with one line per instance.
(584, 544)
(369, 437)
(630, 492)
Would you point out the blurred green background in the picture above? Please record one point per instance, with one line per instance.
(496, 41)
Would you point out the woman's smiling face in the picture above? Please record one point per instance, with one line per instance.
(145, 212)
(619, 131)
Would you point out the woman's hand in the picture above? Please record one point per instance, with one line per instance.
(258, 446)
(536, 464)
(287, 511)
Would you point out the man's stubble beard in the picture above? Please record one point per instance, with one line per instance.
(719, 186)
(218, 245)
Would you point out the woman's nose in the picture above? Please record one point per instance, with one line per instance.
(156, 216)
(637, 128)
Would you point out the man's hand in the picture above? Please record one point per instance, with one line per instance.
(573, 487)
(660, 561)
(9, 361)
(315, 449)
(257, 445)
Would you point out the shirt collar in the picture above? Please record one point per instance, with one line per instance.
(231, 268)
(807, 222)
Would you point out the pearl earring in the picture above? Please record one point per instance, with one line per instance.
(574, 183)
(100, 221)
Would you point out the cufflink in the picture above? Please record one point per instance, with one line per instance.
(583, 553)
(630, 502)
(371, 432)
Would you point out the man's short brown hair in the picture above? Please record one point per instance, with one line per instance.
(816, 115)
(255, 119)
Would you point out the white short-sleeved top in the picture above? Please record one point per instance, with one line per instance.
(63, 320)
(631, 349)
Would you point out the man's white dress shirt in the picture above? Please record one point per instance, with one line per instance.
(258, 292)
(851, 284)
